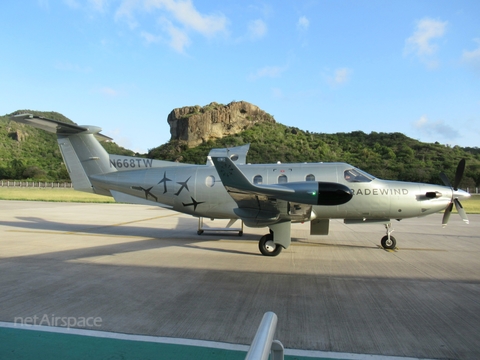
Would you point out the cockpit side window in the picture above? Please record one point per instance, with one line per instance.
(355, 175)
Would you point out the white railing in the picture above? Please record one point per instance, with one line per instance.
(263, 343)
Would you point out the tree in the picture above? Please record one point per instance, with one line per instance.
(34, 173)
(16, 169)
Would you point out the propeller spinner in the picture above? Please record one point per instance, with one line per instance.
(456, 194)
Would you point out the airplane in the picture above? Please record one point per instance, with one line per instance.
(261, 195)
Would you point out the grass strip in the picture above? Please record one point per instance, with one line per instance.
(51, 194)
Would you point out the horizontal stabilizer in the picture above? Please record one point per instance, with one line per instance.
(58, 127)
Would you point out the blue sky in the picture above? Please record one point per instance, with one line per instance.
(409, 66)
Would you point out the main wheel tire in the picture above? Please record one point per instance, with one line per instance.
(389, 243)
(267, 247)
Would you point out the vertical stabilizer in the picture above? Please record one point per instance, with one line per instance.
(84, 156)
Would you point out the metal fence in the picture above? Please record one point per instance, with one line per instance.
(35, 184)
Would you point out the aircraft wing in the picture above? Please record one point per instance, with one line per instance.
(58, 127)
(266, 203)
(254, 204)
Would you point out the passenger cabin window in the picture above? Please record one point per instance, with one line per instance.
(210, 181)
(282, 179)
(355, 175)
(258, 179)
(310, 177)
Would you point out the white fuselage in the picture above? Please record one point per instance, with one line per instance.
(197, 190)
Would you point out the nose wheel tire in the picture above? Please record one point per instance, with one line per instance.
(267, 247)
(389, 243)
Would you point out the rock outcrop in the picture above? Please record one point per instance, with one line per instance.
(195, 124)
(17, 135)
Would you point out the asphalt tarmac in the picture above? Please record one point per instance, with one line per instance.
(144, 270)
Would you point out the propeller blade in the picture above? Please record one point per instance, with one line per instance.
(445, 180)
(459, 174)
(448, 210)
(461, 210)
(446, 214)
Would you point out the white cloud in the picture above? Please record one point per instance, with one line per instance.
(150, 38)
(435, 128)
(420, 123)
(257, 29)
(472, 57)
(178, 38)
(421, 43)
(342, 75)
(303, 23)
(339, 76)
(178, 18)
(268, 71)
(126, 12)
(185, 13)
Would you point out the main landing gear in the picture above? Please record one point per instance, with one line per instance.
(267, 247)
(389, 242)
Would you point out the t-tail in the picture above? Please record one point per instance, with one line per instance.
(82, 153)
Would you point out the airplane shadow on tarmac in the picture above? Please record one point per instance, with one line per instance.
(183, 235)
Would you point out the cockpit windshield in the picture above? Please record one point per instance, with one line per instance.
(357, 175)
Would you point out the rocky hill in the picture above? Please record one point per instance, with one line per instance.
(194, 125)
